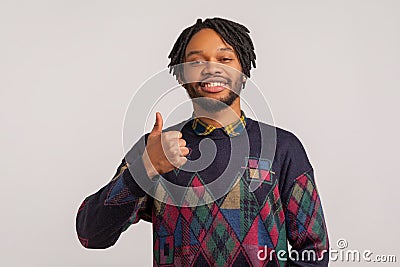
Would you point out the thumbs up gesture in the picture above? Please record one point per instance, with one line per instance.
(164, 151)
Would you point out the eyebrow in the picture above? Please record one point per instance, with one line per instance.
(195, 52)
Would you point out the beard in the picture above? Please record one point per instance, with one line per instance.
(211, 104)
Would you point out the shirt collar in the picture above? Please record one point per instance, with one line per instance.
(233, 129)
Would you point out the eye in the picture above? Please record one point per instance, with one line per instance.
(196, 62)
(226, 59)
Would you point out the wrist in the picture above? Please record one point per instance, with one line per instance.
(150, 169)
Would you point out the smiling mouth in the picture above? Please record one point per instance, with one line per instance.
(213, 87)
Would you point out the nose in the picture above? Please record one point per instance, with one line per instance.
(212, 68)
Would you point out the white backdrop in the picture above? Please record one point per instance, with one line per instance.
(68, 69)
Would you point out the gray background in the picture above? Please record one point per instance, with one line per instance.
(68, 69)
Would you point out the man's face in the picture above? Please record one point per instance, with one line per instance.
(212, 71)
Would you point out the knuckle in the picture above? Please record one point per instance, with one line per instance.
(174, 134)
(185, 151)
(173, 153)
(183, 161)
(172, 146)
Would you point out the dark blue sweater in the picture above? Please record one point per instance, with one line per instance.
(257, 194)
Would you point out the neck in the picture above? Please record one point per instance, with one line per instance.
(220, 118)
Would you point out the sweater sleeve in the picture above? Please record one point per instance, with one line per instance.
(306, 228)
(104, 215)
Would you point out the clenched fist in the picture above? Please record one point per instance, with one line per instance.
(164, 151)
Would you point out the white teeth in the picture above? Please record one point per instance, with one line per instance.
(212, 84)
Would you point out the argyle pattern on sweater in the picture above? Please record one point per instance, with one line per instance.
(229, 231)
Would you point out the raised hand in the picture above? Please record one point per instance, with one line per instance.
(164, 151)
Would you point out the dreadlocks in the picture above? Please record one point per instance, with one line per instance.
(233, 33)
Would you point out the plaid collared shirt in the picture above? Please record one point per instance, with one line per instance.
(233, 129)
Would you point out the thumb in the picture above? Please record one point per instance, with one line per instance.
(157, 128)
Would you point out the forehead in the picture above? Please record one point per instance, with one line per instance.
(207, 41)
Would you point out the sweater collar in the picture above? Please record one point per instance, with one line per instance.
(233, 129)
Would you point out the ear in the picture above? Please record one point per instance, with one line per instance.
(181, 79)
(244, 79)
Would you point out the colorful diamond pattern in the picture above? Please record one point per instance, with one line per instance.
(305, 214)
(235, 227)
(220, 244)
(119, 194)
(258, 170)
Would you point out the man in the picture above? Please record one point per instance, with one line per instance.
(221, 219)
